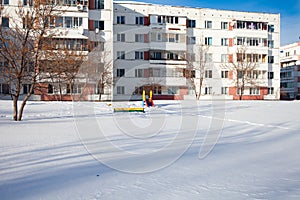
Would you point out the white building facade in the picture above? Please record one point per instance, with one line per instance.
(155, 45)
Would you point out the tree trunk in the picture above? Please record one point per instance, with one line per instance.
(24, 102)
(60, 91)
(99, 96)
(15, 106)
(15, 100)
(22, 109)
(200, 88)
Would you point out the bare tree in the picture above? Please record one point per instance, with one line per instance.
(97, 69)
(196, 68)
(61, 67)
(244, 68)
(22, 38)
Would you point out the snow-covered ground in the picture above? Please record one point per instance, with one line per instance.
(176, 150)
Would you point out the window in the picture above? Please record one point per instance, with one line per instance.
(271, 28)
(208, 90)
(167, 19)
(77, 22)
(224, 41)
(208, 24)
(239, 91)
(208, 57)
(251, 25)
(193, 74)
(155, 72)
(68, 22)
(264, 42)
(287, 54)
(120, 90)
(224, 58)
(139, 73)
(208, 40)
(270, 59)
(26, 88)
(173, 37)
(99, 4)
(99, 45)
(208, 73)
(191, 57)
(270, 90)
(3, 66)
(139, 55)
(121, 37)
(254, 91)
(5, 22)
(99, 25)
(76, 89)
(50, 89)
(173, 90)
(4, 88)
(224, 25)
(252, 41)
(270, 75)
(139, 20)
(188, 73)
(191, 23)
(271, 43)
(120, 72)
(59, 22)
(224, 90)
(240, 40)
(5, 2)
(156, 55)
(224, 74)
(120, 19)
(158, 36)
(191, 40)
(172, 56)
(139, 38)
(121, 55)
(240, 74)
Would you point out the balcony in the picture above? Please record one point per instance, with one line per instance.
(167, 62)
(288, 59)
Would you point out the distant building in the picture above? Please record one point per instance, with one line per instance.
(290, 71)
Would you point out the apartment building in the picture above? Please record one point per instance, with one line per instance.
(290, 71)
(70, 29)
(101, 36)
(154, 47)
(172, 50)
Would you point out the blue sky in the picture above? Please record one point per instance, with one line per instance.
(289, 11)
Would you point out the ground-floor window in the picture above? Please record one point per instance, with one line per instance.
(120, 90)
(77, 89)
(173, 90)
(239, 91)
(224, 90)
(26, 88)
(270, 90)
(254, 91)
(4, 88)
(208, 90)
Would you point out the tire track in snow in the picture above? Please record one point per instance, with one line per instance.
(248, 122)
